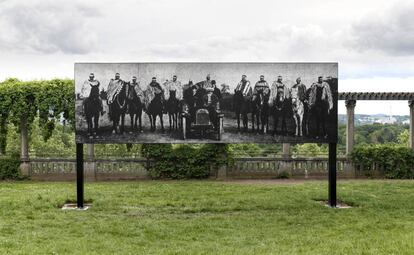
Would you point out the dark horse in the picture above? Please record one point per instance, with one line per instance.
(280, 108)
(155, 108)
(260, 111)
(241, 107)
(117, 109)
(92, 107)
(173, 109)
(134, 105)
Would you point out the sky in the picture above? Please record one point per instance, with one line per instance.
(372, 40)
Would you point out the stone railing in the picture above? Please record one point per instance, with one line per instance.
(99, 169)
(243, 167)
(300, 167)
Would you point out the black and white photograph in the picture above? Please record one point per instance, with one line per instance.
(206, 102)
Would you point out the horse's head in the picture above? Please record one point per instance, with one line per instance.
(260, 98)
(279, 100)
(173, 94)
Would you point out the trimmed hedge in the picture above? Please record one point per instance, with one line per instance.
(9, 168)
(184, 161)
(396, 161)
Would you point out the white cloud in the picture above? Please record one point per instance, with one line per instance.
(390, 31)
(47, 27)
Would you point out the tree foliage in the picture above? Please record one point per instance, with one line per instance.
(22, 101)
(396, 161)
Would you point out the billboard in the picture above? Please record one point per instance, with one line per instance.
(206, 102)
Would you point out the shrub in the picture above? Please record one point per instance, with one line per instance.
(396, 161)
(9, 168)
(183, 161)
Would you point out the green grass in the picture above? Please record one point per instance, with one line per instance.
(201, 217)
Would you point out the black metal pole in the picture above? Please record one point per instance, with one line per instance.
(79, 175)
(332, 174)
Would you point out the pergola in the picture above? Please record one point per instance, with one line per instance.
(350, 102)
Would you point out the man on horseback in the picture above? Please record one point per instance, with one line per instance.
(206, 83)
(173, 95)
(154, 103)
(321, 103)
(116, 101)
(153, 89)
(244, 87)
(92, 103)
(278, 100)
(241, 100)
(114, 87)
(135, 99)
(173, 86)
(260, 102)
(135, 85)
(298, 96)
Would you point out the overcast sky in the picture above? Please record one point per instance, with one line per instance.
(373, 41)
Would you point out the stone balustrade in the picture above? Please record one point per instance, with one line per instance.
(242, 167)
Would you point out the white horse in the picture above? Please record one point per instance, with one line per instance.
(298, 110)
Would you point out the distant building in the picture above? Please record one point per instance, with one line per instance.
(385, 120)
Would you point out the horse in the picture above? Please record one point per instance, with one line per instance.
(241, 108)
(92, 107)
(298, 112)
(155, 108)
(134, 105)
(117, 109)
(260, 111)
(173, 106)
(280, 107)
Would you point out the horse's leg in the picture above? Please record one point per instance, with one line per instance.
(89, 124)
(295, 118)
(131, 115)
(301, 124)
(140, 121)
(150, 120)
(152, 123)
(275, 122)
(162, 122)
(115, 124)
(238, 121)
(170, 120)
(122, 123)
(96, 122)
(245, 121)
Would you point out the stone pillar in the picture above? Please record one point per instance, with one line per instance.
(286, 150)
(350, 112)
(90, 151)
(411, 142)
(24, 150)
(221, 172)
(90, 164)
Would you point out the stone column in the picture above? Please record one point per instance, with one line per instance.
(286, 150)
(90, 164)
(90, 151)
(411, 142)
(24, 150)
(350, 112)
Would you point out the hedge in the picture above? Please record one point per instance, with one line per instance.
(184, 161)
(396, 161)
(9, 168)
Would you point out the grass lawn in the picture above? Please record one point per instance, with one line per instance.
(203, 217)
